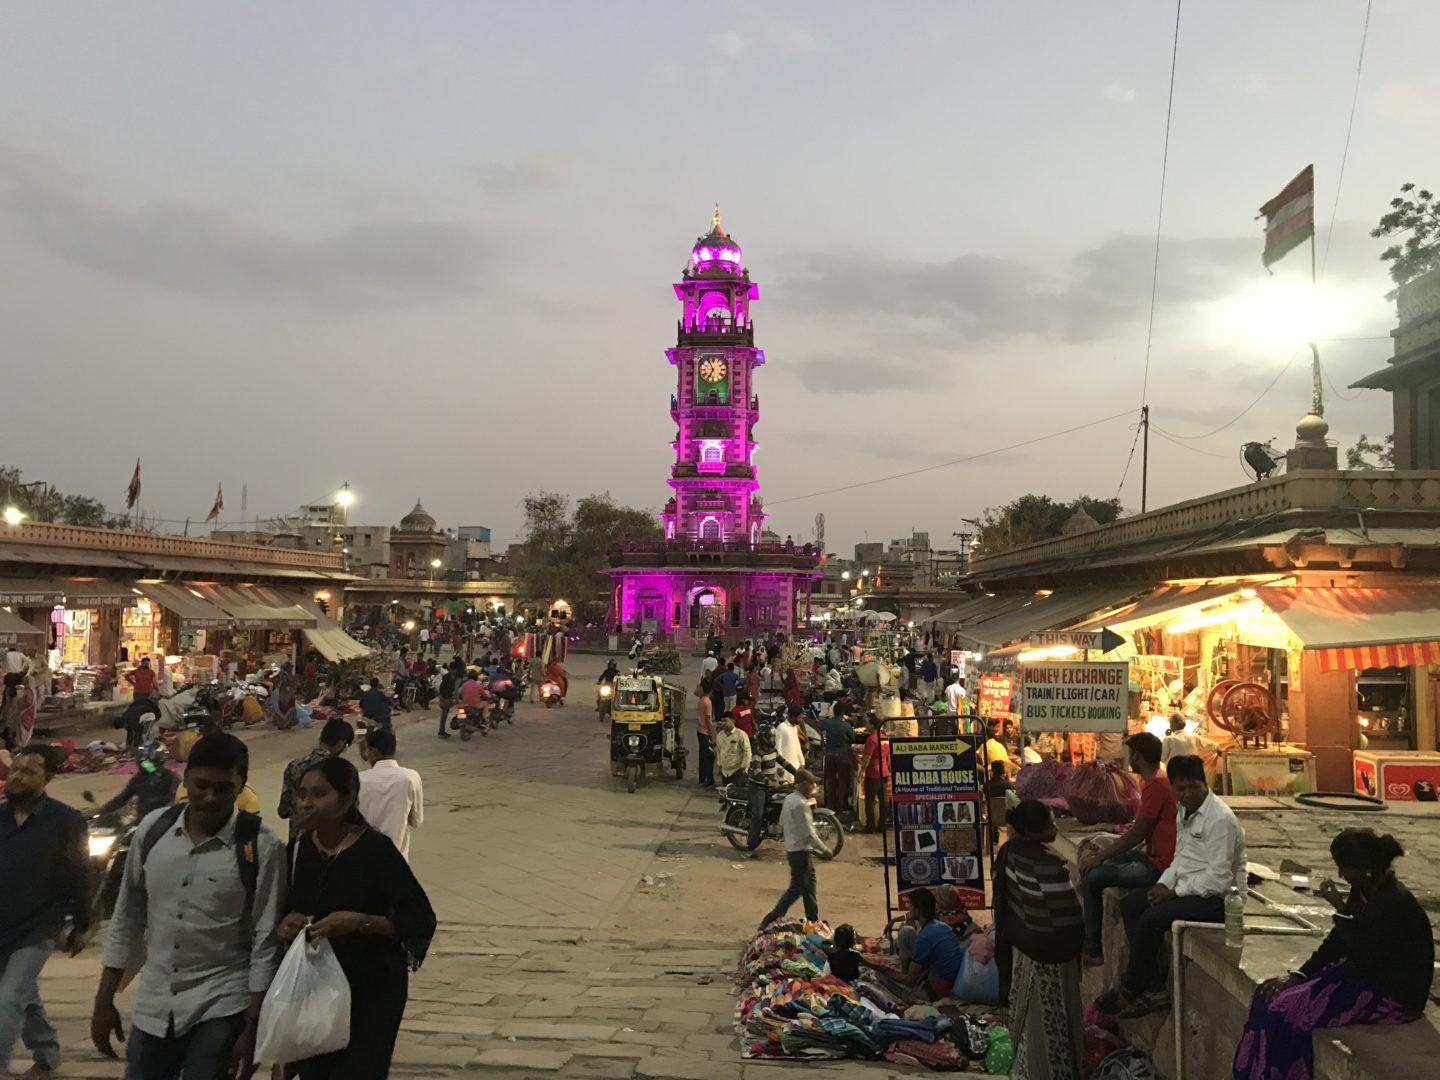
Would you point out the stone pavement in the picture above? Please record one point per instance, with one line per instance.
(585, 932)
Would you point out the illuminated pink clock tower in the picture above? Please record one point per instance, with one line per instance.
(714, 568)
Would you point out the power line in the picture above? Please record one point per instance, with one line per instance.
(1335, 389)
(1160, 211)
(957, 461)
(1243, 411)
(1187, 446)
(1128, 459)
(1349, 128)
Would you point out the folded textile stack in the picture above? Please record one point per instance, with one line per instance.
(788, 1007)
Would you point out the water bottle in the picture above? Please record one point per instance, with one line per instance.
(1234, 917)
(1000, 1055)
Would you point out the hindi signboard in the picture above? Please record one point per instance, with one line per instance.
(992, 697)
(936, 810)
(1072, 695)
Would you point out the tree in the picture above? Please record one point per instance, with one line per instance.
(1417, 214)
(563, 553)
(1372, 456)
(1032, 518)
(41, 502)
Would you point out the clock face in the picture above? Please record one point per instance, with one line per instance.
(712, 369)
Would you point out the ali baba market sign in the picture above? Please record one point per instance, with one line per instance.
(1072, 695)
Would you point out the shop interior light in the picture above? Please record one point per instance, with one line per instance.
(1249, 594)
(1054, 652)
(1210, 618)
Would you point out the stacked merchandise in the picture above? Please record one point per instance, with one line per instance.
(791, 1007)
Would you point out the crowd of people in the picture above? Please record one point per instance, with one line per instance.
(209, 897)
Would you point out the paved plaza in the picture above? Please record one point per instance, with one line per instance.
(584, 931)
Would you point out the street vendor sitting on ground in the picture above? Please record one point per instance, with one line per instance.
(930, 953)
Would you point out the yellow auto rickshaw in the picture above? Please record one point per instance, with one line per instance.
(646, 717)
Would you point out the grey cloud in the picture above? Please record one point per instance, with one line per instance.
(518, 177)
(202, 251)
(855, 373)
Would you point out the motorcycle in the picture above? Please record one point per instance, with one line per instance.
(551, 694)
(109, 844)
(750, 814)
(604, 699)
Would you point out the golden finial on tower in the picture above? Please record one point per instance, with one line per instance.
(715, 220)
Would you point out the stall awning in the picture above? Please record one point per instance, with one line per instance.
(1164, 601)
(189, 606)
(329, 640)
(258, 608)
(1354, 629)
(1052, 612)
(13, 628)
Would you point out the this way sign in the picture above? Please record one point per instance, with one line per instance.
(1100, 640)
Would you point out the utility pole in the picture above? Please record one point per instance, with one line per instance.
(1144, 456)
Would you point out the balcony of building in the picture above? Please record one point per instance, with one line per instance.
(715, 332)
(715, 554)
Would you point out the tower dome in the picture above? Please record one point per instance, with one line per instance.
(716, 253)
(417, 520)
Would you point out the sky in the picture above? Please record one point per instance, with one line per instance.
(428, 249)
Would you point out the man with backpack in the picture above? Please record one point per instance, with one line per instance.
(206, 882)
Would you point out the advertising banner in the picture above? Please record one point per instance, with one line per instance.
(992, 697)
(1071, 695)
(936, 807)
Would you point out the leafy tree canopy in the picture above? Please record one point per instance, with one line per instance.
(1416, 216)
(41, 502)
(564, 551)
(1032, 518)
(1372, 456)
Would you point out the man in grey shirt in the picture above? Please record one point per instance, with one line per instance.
(208, 887)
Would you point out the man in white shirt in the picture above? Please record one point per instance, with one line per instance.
(801, 843)
(1178, 741)
(708, 665)
(391, 798)
(1209, 859)
(955, 699)
(788, 742)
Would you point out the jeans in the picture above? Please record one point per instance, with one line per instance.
(706, 764)
(202, 1053)
(802, 887)
(874, 802)
(445, 704)
(1146, 925)
(1129, 870)
(22, 1015)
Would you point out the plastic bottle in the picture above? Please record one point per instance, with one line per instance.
(1234, 917)
(1001, 1055)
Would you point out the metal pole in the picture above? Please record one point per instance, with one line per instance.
(1144, 456)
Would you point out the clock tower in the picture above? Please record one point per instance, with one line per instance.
(714, 516)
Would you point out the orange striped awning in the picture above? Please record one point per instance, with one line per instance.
(1360, 657)
(1354, 629)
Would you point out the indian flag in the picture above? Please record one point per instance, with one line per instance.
(1290, 216)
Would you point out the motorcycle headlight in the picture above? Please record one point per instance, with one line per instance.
(100, 844)
(605, 691)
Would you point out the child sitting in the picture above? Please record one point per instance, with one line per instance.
(844, 960)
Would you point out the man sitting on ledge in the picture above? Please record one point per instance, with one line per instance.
(1209, 859)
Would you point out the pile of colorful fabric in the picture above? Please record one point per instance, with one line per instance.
(790, 1007)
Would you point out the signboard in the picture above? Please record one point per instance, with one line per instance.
(936, 807)
(1395, 779)
(957, 661)
(992, 697)
(1102, 640)
(1072, 695)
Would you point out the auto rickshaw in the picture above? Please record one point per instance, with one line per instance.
(645, 728)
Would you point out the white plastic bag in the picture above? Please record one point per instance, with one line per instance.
(306, 1011)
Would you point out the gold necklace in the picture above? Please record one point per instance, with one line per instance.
(346, 841)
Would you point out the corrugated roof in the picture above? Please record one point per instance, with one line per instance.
(1046, 613)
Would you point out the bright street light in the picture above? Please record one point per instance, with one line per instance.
(435, 564)
(845, 576)
(345, 497)
(13, 515)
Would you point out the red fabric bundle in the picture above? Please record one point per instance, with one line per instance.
(1097, 793)
(1045, 780)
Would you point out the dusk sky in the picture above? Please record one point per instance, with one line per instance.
(428, 248)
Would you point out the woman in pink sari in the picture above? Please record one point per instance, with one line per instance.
(1374, 968)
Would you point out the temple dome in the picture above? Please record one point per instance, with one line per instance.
(417, 520)
(717, 250)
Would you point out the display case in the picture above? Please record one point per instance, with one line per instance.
(1278, 771)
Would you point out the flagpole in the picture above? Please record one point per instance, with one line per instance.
(1317, 389)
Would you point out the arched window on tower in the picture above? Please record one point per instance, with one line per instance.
(754, 532)
(711, 452)
(710, 528)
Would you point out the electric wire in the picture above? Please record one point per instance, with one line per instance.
(1187, 446)
(1160, 210)
(1129, 458)
(1242, 412)
(1349, 129)
(957, 461)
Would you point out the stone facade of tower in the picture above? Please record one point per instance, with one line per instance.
(713, 569)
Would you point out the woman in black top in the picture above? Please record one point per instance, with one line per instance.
(1374, 968)
(350, 885)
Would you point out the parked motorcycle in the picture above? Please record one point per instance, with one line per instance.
(750, 814)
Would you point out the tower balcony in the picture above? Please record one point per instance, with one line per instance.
(714, 553)
(689, 470)
(715, 333)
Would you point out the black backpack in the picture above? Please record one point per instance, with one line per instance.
(247, 832)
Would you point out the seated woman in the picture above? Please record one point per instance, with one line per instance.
(1374, 968)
